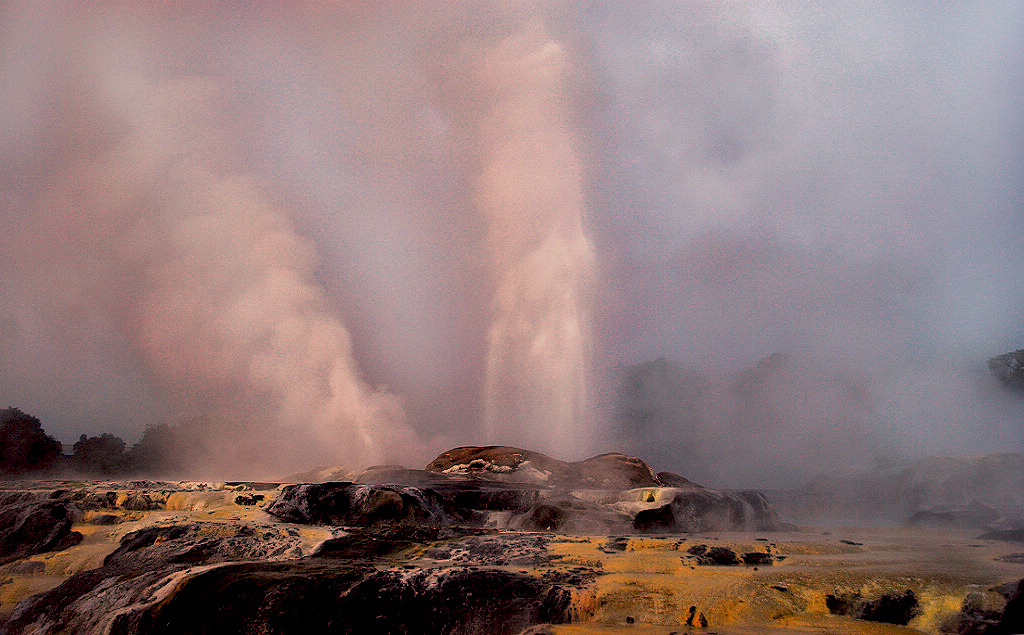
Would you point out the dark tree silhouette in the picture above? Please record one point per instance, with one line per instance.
(100, 455)
(24, 446)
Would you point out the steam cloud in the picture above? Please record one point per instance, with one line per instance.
(531, 192)
(361, 234)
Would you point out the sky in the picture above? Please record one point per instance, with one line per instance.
(366, 232)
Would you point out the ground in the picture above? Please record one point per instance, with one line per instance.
(643, 583)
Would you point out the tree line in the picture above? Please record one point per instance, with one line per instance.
(26, 449)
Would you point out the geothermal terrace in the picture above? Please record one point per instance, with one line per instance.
(484, 540)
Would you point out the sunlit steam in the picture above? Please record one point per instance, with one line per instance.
(531, 193)
(227, 308)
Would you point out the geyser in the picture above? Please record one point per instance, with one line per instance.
(225, 307)
(531, 193)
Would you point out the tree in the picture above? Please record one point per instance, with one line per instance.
(100, 455)
(24, 446)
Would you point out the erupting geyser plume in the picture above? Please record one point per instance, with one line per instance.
(224, 307)
(531, 193)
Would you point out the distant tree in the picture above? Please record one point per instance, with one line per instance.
(24, 446)
(100, 455)
(155, 452)
(1009, 369)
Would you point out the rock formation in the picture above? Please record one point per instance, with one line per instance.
(31, 525)
(512, 488)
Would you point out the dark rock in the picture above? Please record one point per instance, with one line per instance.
(1008, 368)
(697, 510)
(104, 519)
(35, 527)
(138, 501)
(1008, 535)
(248, 499)
(488, 496)
(614, 544)
(611, 471)
(361, 505)
(576, 577)
(657, 520)
(382, 541)
(757, 558)
(498, 462)
(697, 550)
(696, 619)
(544, 517)
(94, 600)
(851, 542)
(843, 603)
(502, 549)
(304, 596)
(1012, 620)
(669, 479)
(892, 608)
(889, 608)
(568, 514)
(720, 556)
(616, 471)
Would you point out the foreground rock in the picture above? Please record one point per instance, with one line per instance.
(888, 608)
(203, 578)
(31, 525)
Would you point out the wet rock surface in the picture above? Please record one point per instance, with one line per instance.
(511, 488)
(35, 525)
(208, 578)
(888, 608)
(475, 549)
(146, 564)
(316, 597)
(695, 510)
(358, 504)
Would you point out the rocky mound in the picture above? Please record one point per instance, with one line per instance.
(612, 471)
(511, 488)
(361, 505)
(699, 509)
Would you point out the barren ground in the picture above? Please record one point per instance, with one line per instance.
(649, 586)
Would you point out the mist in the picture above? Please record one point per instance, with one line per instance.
(354, 235)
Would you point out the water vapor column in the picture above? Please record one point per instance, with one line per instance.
(531, 193)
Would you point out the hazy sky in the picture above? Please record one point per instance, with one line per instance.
(386, 223)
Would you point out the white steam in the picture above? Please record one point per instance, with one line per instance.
(226, 311)
(531, 192)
